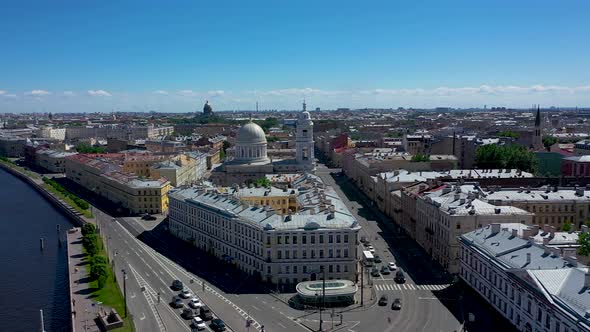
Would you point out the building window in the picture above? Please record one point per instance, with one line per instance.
(294, 239)
(294, 268)
(345, 238)
(330, 238)
(345, 253)
(304, 239)
(321, 253)
(312, 238)
(279, 239)
(330, 253)
(294, 254)
(279, 254)
(338, 238)
(321, 238)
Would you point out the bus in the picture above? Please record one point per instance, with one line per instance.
(368, 258)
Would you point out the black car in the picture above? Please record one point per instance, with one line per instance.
(206, 314)
(148, 217)
(399, 277)
(376, 259)
(177, 285)
(385, 270)
(375, 272)
(396, 304)
(383, 300)
(188, 313)
(217, 325)
(176, 302)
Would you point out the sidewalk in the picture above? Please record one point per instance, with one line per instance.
(84, 309)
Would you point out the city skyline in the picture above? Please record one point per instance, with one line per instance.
(72, 57)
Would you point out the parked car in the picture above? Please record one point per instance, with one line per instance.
(376, 259)
(217, 325)
(148, 217)
(371, 249)
(396, 304)
(205, 313)
(186, 293)
(400, 278)
(385, 270)
(195, 303)
(177, 285)
(177, 302)
(383, 300)
(198, 323)
(392, 266)
(375, 272)
(188, 313)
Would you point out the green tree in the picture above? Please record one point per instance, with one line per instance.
(87, 148)
(567, 226)
(508, 133)
(548, 141)
(420, 157)
(584, 242)
(98, 270)
(263, 182)
(88, 228)
(90, 243)
(493, 156)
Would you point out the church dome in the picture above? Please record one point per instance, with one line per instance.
(249, 134)
(207, 109)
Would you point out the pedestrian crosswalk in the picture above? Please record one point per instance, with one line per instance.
(399, 287)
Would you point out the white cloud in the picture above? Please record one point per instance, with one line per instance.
(69, 93)
(2, 92)
(38, 93)
(161, 92)
(188, 93)
(215, 93)
(99, 93)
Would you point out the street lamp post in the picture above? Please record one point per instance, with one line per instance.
(125, 289)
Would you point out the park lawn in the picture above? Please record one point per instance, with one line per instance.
(110, 295)
(68, 200)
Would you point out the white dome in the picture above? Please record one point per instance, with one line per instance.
(250, 133)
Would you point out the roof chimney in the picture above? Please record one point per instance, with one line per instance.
(552, 231)
(546, 241)
(497, 210)
(495, 228)
(546, 228)
(535, 230)
(514, 232)
(584, 229)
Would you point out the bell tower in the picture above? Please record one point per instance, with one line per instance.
(304, 141)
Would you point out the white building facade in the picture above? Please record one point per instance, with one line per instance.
(279, 249)
(528, 284)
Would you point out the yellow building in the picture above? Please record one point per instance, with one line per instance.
(282, 201)
(179, 170)
(128, 192)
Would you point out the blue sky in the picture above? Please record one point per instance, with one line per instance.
(171, 56)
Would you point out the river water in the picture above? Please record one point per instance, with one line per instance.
(31, 279)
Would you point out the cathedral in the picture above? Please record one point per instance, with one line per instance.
(251, 162)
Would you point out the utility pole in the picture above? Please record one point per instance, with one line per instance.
(323, 271)
(42, 323)
(362, 283)
(125, 289)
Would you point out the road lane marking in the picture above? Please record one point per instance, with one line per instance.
(142, 316)
(281, 325)
(255, 307)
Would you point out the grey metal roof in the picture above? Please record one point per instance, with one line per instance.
(312, 200)
(512, 251)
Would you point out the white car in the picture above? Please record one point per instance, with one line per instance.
(185, 293)
(371, 249)
(195, 303)
(392, 266)
(199, 323)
